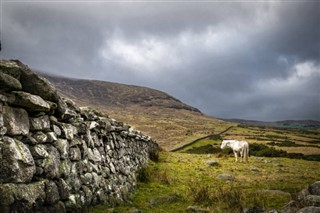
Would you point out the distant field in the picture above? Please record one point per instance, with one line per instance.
(291, 140)
(180, 180)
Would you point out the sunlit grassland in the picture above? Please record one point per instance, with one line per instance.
(302, 141)
(179, 180)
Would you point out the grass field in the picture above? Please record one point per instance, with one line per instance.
(180, 180)
(291, 140)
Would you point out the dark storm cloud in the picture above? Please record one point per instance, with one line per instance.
(231, 59)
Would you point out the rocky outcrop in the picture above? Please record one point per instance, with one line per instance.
(58, 157)
(308, 200)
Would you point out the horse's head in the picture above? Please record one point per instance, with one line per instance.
(224, 144)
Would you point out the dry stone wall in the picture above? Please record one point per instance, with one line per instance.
(57, 157)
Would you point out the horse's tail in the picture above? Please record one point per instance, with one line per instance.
(246, 152)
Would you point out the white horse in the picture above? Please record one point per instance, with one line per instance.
(241, 147)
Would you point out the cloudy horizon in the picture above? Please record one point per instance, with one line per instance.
(233, 59)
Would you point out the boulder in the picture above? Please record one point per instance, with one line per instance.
(309, 209)
(212, 163)
(16, 162)
(225, 177)
(8, 83)
(30, 102)
(312, 200)
(314, 188)
(16, 120)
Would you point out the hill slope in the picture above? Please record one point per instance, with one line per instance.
(169, 121)
(116, 95)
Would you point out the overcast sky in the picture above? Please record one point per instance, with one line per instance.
(251, 60)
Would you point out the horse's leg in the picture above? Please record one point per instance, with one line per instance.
(236, 155)
(241, 155)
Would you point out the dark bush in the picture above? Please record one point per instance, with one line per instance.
(216, 137)
(262, 150)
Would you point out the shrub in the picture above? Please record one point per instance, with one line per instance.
(227, 199)
(216, 137)
(144, 175)
(262, 150)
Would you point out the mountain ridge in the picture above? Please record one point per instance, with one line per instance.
(116, 94)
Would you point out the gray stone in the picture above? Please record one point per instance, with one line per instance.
(225, 177)
(17, 164)
(196, 209)
(309, 209)
(68, 113)
(9, 83)
(88, 139)
(30, 194)
(57, 207)
(97, 142)
(56, 130)
(75, 141)
(3, 130)
(63, 188)
(36, 84)
(165, 199)
(97, 156)
(52, 193)
(212, 163)
(39, 151)
(292, 206)
(51, 137)
(11, 68)
(254, 209)
(40, 137)
(314, 188)
(16, 120)
(253, 169)
(40, 123)
(30, 102)
(63, 147)
(74, 182)
(67, 130)
(312, 200)
(52, 163)
(65, 168)
(112, 168)
(74, 154)
(88, 195)
(86, 179)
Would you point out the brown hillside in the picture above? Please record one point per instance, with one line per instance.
(163, 117)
